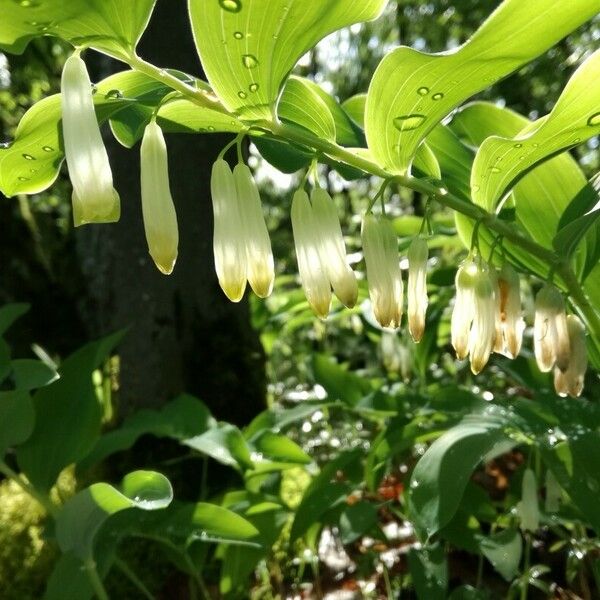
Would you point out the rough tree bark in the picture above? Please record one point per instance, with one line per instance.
(183, 334)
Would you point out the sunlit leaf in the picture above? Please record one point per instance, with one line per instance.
(412, 91)
(248, 47)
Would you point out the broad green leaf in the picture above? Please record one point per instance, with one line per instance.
(248, 47)
(441, 475)
(355, 107)
(83, 515)
(9, 314)
(30, 374)
(111, 26)
(16, 419)
(575, 118)
(357, 520)
(180, 419)
(31, 163)
(468, 592)
(429, 571)
(225, 443)
(339, 383)
(412, 91)
(281, 448)
(283, 156)
(69, 580)
(504, 551)
(68, 416)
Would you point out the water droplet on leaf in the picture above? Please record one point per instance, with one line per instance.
(423, 91)
(27, 3)
(48, 149)
(409, 122)
(28, 157)
(594, 120)
(476, 188)
(249, 61)
(114, 95)
(211, 128)
(495, 170)
(254, 87)
(238, 35)
(437, 96)
(518, 145)
(242, 95)
(23, 179)
(233, 6)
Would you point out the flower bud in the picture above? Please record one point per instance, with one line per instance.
(229, 245)
(464, 307)
(160, 219)
(528, 506)
(510, 324)
(418, 253)
(315, 280)
(483, 329)
(380, 247)
(260, 265)
(570, 381)
(551, 339)
(333, 250)
(94, 198)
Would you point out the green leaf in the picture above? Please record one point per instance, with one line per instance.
(68, 416)
(467, 592)
(575, 118)
(429, 571)
(504, 551)
(339, 383)
(9, 314)
(111, 26)
(281, 448)
(357, 520)
(441, 475)
(16, 419)
(225, 443)
(69, 580)
(248, 47)
(31, 374)
(32, 162)
(412, 91)
(83, 515)
(283, 156)
(355, 108)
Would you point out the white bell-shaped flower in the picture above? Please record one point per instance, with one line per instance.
(229, 244)
(551, 337)
(464, 307)
(94, 197)
(333, 250)
(528, 507)
(260, 263)
(570, 381)
(160, 219)
(509, 320)
(483, 330)
(380, 248)
(418, 253)
(313, 275)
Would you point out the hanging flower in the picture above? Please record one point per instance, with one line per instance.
(418, 253)
(509, 321)
(380, 247)
(483, 329)
(94, 197)
(313, 275)
(464, 307)
(229, 244)
(528, 508)
(570, 381)
(332, 248)
(260, 263)
(551, 337)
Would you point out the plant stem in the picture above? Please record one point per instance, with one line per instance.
(139, 584)
(92, 571)
(526, 565)
(40, 497)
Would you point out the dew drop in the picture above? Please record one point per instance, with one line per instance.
(242, 95)
(518, 145)
(27, 3)
(211, 128)
(594, 120)
(423, 91)
(233, 6)
(114, 94)
(521, 158)
(536, 145)
(495, 170)
(409, 122)
(28, 157)
(238, 35)
(437, 96)
(48, 149)
(33, 170)
(249, 61)
(475, 188)
(5, 145)
(23, 179)
(254, 87)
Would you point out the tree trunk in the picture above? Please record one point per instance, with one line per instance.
(183, 335)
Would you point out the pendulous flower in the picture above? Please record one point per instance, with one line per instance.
(464, 307)
(160, 219)
(259, 255)
(229, 245)
(94, 197)
(551, 337)
(528, 507)
(569, 382)
(509, 320)
(332, 248)
(380, 247)
(313, 275)
(483, 329)
(418, 253)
